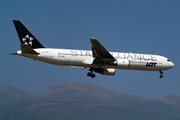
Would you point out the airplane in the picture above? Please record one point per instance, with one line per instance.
(98, 59)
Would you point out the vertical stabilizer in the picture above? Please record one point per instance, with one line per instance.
(25, 36)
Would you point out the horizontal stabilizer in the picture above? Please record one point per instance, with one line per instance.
(13, 54)
(27, 49)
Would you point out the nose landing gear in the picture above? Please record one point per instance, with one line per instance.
(161, 76)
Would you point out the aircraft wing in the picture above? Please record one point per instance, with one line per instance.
(99, 52)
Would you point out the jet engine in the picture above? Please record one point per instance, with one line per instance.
(104, 71)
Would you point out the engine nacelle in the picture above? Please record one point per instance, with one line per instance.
(109, 71)
(105, 71)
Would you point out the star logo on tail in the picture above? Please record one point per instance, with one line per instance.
(27, 40)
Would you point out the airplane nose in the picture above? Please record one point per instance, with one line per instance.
(171, 64)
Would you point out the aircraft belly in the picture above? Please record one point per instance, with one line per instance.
(147, 66)
(137, 64)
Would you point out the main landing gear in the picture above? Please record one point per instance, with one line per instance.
(161, 76)
(91, 73)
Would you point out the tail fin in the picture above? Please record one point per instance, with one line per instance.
(25, 36)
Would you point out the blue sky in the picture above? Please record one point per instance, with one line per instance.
(139, 26)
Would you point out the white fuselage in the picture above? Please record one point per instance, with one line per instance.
(84, 58)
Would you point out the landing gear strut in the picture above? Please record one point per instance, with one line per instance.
(161, 76)
(91, 73)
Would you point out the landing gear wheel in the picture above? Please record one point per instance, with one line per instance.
(89, 74)
(93, 75)
(161, 72)
(161, 76)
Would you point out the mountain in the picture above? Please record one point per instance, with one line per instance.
(97, 96)
(84, 92)
(83, 101)
(10, 94)
(170, 99)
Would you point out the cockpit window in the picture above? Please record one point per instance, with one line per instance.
(168, 60)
